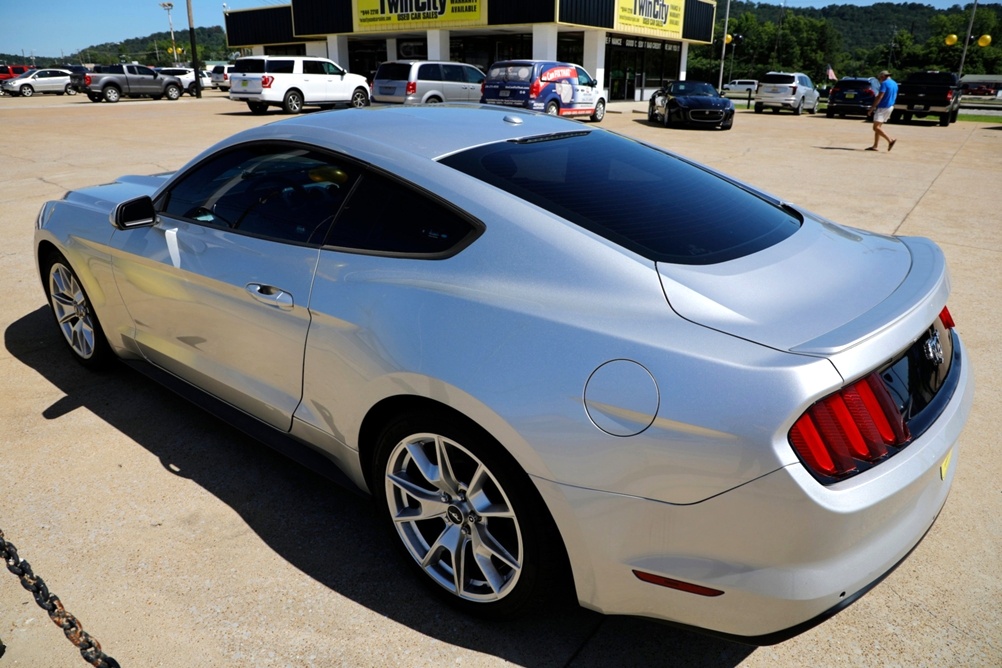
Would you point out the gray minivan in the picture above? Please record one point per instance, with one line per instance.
(426, 82)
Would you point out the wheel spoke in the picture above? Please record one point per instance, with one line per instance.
(451, 542)
(484, 548)
(430, 504)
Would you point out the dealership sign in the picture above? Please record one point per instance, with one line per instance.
(657, 18)
(390, 15)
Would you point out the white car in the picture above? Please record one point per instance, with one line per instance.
(221, 76)
(187, 77)
(292, 82)
(787, 90)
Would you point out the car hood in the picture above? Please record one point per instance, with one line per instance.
(703, 102)
(823, 289)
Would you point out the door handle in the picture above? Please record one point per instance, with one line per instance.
(270, 295)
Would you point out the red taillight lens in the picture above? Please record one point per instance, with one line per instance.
(411, 87)
(267, 80)
(949, 95)
(851, 427)
(946, 318)
(834, 91)
(87, 79)
(793, 90)
(535, 88)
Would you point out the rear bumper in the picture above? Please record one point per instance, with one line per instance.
(786, 552)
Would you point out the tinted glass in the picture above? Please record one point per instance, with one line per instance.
(429, 72)
(779, 79)
(280, 192)
(453, 73)
(393, 71)
(313, 67)
(384, 216)
(641, 198)
(473, 75)
(850, 84)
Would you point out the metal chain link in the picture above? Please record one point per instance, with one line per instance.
(90, 648)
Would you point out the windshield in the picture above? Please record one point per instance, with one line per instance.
(680, 88)
(639, 197)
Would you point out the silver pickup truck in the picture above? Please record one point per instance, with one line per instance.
(115, 81)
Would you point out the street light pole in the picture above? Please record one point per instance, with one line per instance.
(170, 19)
(723, 46)
(967, 40)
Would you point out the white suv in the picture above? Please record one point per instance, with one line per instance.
(292, 82)
(786, 90)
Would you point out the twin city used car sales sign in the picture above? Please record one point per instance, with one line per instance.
(380, 15)
(656, 18)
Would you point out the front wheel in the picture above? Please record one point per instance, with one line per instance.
(293, 102)
(74, 313)
(172, 92)
(359, 98)
(599, 112)
(552, 108)
(26, 91)
(467, 517)
(799, 109)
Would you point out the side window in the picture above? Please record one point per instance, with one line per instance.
(282, 66)
(331, 68)
(279, 192)
(385, 216)
(473, 75)
(584, 78)
(453, 73)
(145, 71)
(430, 72)
(313, 67)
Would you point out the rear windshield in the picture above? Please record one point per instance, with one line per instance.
(643, 199)
(934, 78)
(393, 71)
(510, 72)
(262, 66)
(778, 79)
(850, 84)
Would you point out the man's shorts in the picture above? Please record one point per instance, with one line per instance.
(882, 114)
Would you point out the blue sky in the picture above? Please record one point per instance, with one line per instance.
(61, 27)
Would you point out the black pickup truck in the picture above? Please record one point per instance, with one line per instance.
(924, 94)
(115, 81)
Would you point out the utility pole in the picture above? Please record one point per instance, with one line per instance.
(194, 53)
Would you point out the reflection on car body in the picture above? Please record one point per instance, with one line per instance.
(549, 352)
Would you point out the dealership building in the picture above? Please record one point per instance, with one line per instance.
(631, 46)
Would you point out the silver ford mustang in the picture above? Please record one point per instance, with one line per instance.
(558, 359)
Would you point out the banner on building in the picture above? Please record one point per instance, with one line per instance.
(656, 18)
(395, 15)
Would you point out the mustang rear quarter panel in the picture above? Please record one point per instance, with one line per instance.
(783, 548)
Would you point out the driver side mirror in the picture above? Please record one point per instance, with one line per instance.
(136, 212)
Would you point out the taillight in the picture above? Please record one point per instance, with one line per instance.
(225, 76)
(267, 80)
(793, 90)
(949, 95)
(535, 88)
(849, 429)
(834, 91)
(87, 79)
(411, 87)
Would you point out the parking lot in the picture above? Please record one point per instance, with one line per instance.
(176, 541)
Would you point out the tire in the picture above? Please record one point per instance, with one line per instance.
(758, 108)
(26, 91)
(94, 97)
(829, 113)
(111, 94)
(70, 90)
(192, 89)
(953, 115)
(652, 116)
(173, 92)
(359, 98)
(74, 313)
(728, 124)
(813, 110)
(553, 108)
(257, 107)
(666, 118)
(433, 100)
(293, 102)
(799, 109)
(433, 474)
(944, 120)
(599, 112)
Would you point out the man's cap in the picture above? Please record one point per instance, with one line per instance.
(884, 73)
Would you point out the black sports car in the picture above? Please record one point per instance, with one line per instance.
(694, 103)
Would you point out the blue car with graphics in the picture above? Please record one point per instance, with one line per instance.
(559, 89)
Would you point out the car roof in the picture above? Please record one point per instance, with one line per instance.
(390, 135)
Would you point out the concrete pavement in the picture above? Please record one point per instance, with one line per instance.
(177, 542)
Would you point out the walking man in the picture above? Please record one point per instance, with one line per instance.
(881, 109)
